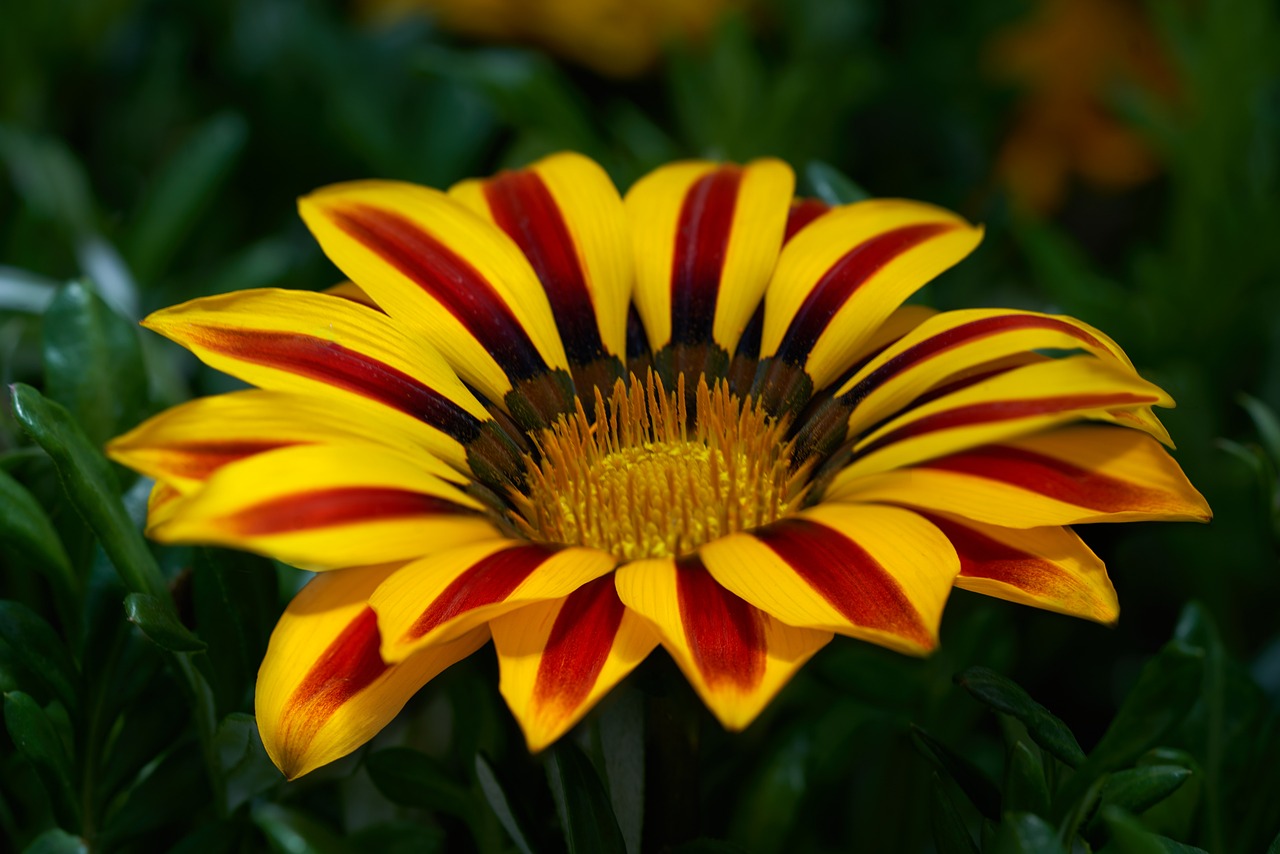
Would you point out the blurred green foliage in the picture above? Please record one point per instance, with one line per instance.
(150, 153)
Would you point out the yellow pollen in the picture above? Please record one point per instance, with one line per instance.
(643, 480)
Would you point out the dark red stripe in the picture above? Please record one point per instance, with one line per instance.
(348, 665)
(955, 337)
(335, 365)
(1004, 410)
(200, 459)
(340, 506)
(847, 576)
(839, 283)
(702, 242)
(490, 580)
(725, 634)
(579, 644)
(524, 208)
(450, 279)
(1050, 476)
(803, 212)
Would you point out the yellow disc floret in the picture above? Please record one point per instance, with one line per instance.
(644, 480)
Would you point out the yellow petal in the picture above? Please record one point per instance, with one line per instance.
(323, 690)
(735, 656)
(880, 574)
(1066, 476)
(436, 599)
(328, 507)
(559, 658)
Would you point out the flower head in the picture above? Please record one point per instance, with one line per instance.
(700, 417)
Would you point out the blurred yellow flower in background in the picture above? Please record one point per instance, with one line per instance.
(619, 38)
(1068, 58)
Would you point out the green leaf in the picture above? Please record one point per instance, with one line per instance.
(831, 185)
(621, 729)
(949, 832)
(1025, 787)
(982, 793)
(37, 649)
(37, 739)
(1128, 836)
(159, 622)
(236, 606)
(399, 837)
(247, 771)
(765, 817)
(181, 190)
(583, 804)
(1138, 789)
(413, 779)
(1004, 695)
(292, 832)
(49, 178)
(92, 486)
(1266, 423)
(57, 841)
(1024, 833)
(498, 802)
(28, 537)
(93, 362)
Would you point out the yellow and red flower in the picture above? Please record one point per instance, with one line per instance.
(699, 416)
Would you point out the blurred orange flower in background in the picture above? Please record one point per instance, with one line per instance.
(1069, 58)
(619, 38)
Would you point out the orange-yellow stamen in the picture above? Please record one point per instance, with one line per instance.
(645, 480)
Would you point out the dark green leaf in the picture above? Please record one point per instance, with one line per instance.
(621, 729)
(1023, 833)
(1025, 787)
(35, 647)
(949, 832)
(398, 837)
(236, 605)
(500, 805)
(1128, 836)
(57, 841)
(37, 739)
(163, 797)
(247, 771)
(49, 178)
(765, 819)
(1006, 696)
(1137, 789)
(413, 779)
(181, 190)
(93, 362)
(831, 185)
(293, 832)
(27, 537)
(89, 481)
(583, 804)
(160, 623)
(982, 793)
(1266, 423)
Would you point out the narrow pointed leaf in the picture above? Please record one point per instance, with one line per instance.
(246, 769)
(27, 537)
(1025, 788)
(1024, 833)
(292, 832)
(583, 804)
(949, 832)
(1005, 696)
(1137, 789)
(35, 647)
(1128, 836)
(57, 841)
(92, 486)
(157, 620)
(831, 185)
(501, 807)
(972, 781)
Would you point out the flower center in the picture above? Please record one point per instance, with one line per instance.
(642, 479)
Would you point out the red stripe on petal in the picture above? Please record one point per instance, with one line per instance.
(348, 665)
(803, 212)
(200, 459)
(724, 633)
(341, 506)
(490, 580)
(335, 365)
(854, 269)
(702, 242)
(1051, 477)
(579, 644)
(450, 279)
(847, 576)
(524, 208)
(1004, 410)
(955, 337)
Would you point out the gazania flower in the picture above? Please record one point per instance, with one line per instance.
(698, 418)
